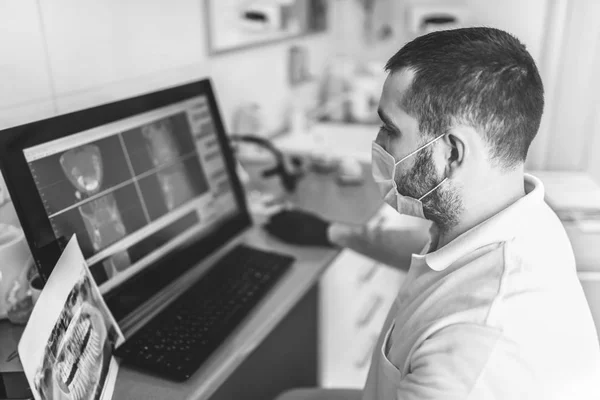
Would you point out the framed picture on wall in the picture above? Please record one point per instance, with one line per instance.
(238, 24)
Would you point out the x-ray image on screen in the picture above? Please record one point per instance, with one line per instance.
(83, 167)
(89, 190)
(164, 157)
(163, 150)
(126, 191)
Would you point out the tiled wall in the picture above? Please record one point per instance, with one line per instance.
(62, 55)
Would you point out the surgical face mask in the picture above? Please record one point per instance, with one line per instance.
(383, 168)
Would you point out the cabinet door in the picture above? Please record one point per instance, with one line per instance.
(590, 281)
(585, 246)
(593, 164)
(101, 51)
(25, 91)
(356, 295)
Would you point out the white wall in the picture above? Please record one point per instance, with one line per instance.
(574, 132)
(71, 54)
(25, 86)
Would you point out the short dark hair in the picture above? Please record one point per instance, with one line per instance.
(481, 77)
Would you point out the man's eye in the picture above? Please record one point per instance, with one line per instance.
(384, 129)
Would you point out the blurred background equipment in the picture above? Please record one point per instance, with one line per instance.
(15, 263)
(350, 90)
(426, 18)
(288, 175)
(236, 24)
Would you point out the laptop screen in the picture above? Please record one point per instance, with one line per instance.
(134, 189)
(138, 181)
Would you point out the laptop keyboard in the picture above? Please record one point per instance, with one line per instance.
(177, 341)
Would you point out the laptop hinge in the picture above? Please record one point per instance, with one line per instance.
(161, 300)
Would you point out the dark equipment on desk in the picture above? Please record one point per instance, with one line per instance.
(289, 179)
(14, 386)
(149, 186)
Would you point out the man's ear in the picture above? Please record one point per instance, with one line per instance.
(458, 146)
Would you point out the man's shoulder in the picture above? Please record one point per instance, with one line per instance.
(542, 241)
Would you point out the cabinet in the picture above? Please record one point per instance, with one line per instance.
(591, 287)
(356, 295)
(587, 256)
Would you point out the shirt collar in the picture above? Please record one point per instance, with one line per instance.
(501, 227)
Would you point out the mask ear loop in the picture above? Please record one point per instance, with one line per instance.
(410, 155)
(421, 148)
(443, 180)
(432, 190)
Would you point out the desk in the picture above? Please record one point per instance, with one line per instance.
(275, 348)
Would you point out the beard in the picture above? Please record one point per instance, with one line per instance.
(443, 206)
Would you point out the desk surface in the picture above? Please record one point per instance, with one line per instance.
(317, 193)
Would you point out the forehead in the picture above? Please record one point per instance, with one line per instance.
(394, 89)
(393, 113)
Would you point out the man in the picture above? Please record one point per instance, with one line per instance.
(492, 307)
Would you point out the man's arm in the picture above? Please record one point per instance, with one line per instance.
(388, 237)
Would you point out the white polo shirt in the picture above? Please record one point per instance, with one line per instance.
(498, 313)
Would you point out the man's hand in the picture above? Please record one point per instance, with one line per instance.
(299, 227)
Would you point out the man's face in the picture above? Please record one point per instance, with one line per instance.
(399, 133)
(418, 174)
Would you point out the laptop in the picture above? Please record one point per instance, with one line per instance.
(149, 186)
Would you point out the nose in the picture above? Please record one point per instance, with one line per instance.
(382, 139)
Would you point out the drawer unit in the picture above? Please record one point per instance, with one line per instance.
(356, 295)
(585, 237)
(590, 281)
